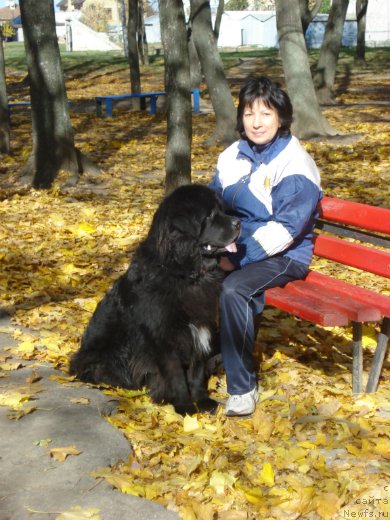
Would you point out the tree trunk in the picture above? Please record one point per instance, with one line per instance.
(218, 18)
(132, 42)
(195, 66)
(142, 44)
(178, 86)
(122, 11)
(308, 119)
(53, 138)
(308, 14)
(325, 71)
(213, 70)
(4, 117)
(361, 14)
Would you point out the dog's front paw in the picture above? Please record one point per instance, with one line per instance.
(186, 409)
(207, 405)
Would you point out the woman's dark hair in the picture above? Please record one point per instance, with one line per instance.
(271, 95)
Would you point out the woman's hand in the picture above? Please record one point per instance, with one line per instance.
(225, 264)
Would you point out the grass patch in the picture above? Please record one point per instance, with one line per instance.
(77, 63)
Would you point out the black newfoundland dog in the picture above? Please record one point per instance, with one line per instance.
(155, 326)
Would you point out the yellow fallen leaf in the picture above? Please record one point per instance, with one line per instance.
(276, 358)
(382, 447)
(329, 407)
(83, 229)
(15, 415)
(353, 450)
(56, 220)
(33, 378)
(254, 495)
(6, 330)
(263, 423)
(267, 475)
(69, 268)
(76, 513)
(43, 442)
(60, 454)
(327, 505)
(13, 399)
(10, 366)
(123, 482)
(221, 481)
(80, 400)
(233, 515)
(169, 415)
(27, 346)
(307, 444)
(191, 423)
(203, 511)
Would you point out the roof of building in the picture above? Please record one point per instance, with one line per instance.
(8, 13)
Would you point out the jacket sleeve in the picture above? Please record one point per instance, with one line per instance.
(216, 185)
(294, 202)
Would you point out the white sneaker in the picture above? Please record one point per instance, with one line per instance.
(244, 404)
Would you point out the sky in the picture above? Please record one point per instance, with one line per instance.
(4, 3)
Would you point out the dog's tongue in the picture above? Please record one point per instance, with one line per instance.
(231, 248)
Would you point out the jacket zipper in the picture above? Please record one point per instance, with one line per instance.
(244, 180)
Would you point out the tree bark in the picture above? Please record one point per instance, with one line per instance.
(308, 14)
(5, 146)
(214, 73)
(325, 71)
(122, 11)
(195, 66)
(142, 43)
(178, 87)
(361, 15)
(132, 42)
(308, 119)
(53, 138)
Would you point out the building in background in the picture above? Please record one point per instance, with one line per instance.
(238, 28)
(258, 28)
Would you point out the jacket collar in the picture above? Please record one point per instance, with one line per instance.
(262, 154)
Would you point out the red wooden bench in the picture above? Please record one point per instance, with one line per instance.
(330, 302)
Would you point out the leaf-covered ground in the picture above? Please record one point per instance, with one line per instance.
(311, 450)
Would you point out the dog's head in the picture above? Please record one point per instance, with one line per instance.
(190, 224)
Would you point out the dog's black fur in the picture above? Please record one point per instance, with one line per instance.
(154, 327)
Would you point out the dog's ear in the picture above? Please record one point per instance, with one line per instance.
(186, 225)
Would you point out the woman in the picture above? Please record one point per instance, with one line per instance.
(272, 185)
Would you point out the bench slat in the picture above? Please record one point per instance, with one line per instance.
(355, 255)
(365, 296)
(355, 310)
(355, 214)
(305, 307)
(109, 99)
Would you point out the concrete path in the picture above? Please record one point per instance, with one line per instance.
(33, 485)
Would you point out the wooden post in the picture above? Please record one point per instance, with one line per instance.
(357, 359)
(379, 356)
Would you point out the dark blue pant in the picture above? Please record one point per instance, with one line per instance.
(241, 300)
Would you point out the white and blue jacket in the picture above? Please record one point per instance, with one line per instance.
(274, 191)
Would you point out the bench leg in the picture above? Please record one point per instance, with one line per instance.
(153, 104)
(99, 108)
(357, 358)
(109, 107)
(195, 95)
(379, 356)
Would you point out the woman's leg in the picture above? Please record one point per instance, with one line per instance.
(241, 299)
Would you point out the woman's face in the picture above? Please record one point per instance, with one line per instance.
(261, 123)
